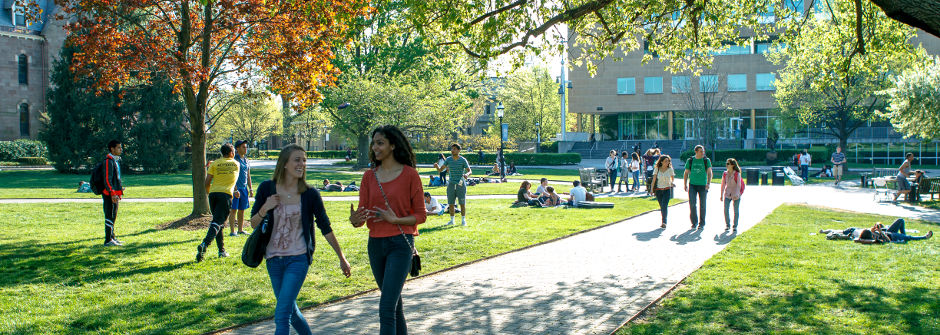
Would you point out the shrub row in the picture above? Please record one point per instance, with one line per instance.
(473, 158)
(819, 155)
(32, 161)
(14, 150)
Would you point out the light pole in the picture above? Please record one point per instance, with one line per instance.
(502, 137)
(538, 137)
(562, 84)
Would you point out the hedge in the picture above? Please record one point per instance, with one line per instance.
(819, 154)
(472, 157)
(32, 161)
(14, 150)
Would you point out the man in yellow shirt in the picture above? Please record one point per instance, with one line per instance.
(220, 184)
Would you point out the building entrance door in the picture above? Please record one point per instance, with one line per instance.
(690, 129)
(734, 128)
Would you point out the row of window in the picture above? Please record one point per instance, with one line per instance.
(708, 83)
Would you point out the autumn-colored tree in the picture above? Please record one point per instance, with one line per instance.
(198, 44)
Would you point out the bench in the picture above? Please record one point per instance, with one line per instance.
(590, 180)
(929, 186)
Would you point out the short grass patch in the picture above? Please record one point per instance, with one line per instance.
(56, 278)
(777, 278)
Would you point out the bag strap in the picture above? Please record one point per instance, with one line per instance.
(387, 205)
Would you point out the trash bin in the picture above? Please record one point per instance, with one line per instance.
(763, 178)
(777, 175)
(752, 175)
(865, 178)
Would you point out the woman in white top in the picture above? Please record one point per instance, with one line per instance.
(440, 162)
(662, 182)
(613, 165)
(635, 171)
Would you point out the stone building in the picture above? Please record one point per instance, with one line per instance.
(27, 51)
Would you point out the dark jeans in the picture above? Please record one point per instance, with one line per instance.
(737, 204)
(390, 259)
(897, 233)
(663, 196)
(697, 217)
(612, 178)
(287, 276)
(444, 177)
(804, 172)
(219, 204)
(110, 214)
(649, 179)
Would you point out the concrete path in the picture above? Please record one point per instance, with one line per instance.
(585, 284)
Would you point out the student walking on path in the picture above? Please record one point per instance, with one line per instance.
(697, 178)
(220, 184)
(613, 166)
(635, 170)
(838, 162)
(391, 204)
(624, 172)
(650, 159)
(663, 178)
(805, 160)
(243, 186)
(288, 207)
(112, 191)
(731, 189)
(457, 183)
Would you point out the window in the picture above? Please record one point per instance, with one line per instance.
(737, 82)
(626, 85)
(708, 83)
(24, 120)
(731, 48)
(487, 109)
(768, 16)
(19, 19)
(653, 85)
(681, 84)
(23, 69)
(764, 81)
(646, 49)
(794, 5)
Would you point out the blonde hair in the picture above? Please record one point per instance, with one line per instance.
(279, 169)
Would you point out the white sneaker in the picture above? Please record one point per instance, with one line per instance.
(463, 222)
(450, 223)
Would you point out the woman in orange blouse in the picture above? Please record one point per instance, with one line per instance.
(392, 211)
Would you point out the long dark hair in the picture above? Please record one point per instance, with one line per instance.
(661, 161)
(402, 152)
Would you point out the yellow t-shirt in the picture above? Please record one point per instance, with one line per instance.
(224, 173)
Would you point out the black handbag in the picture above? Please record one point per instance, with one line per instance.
(257, 244)
(415, 257)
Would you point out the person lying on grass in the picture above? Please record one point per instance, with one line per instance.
(876, 234)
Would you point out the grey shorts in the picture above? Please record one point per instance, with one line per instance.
(457, 191)
(903, 184)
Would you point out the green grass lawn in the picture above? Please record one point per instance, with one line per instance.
(778, 279)
(51, 184)
(56, 278)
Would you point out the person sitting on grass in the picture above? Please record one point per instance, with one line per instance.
(526, 197)
(876, 234)
(431, 206)
(494, 171)
(579, 194)
(552, 199)
(542, 190)
(512, 169)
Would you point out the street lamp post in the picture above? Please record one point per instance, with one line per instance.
(502, 133)
(538, 137)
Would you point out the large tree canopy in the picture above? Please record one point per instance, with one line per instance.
(199, 45)
(914, 103)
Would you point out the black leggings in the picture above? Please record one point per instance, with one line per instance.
(110, 215)
(219, 204)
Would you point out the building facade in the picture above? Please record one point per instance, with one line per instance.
(629, 101)
(27, 51)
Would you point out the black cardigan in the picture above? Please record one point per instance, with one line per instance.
(311, 205)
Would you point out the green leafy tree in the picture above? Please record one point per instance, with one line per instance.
(914, 102)
(248, 115)
(79, 123)
(530, 96)
(827, 82)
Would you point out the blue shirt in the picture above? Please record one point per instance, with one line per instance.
(243, 168)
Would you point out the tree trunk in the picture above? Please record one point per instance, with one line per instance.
(200, 197)
(363, 160)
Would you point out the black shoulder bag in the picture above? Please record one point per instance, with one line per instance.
(415, 257)
(257, 244)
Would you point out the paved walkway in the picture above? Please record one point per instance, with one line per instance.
(586, 284)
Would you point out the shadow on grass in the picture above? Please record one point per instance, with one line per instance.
(850, 309)
(71, 263)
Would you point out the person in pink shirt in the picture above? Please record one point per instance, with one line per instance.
(391, 205)
(732, 186)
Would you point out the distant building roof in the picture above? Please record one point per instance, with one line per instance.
(6, 15)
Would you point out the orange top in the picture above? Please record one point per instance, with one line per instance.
(405, 196)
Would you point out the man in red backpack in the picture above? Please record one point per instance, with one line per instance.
(112, 191)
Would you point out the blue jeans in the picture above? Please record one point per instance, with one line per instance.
(390, 259)
(804, 172)
(636, 180)
(697, 217)
(737, 204)
(287, 276)
(898, 234)
(612, 178)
